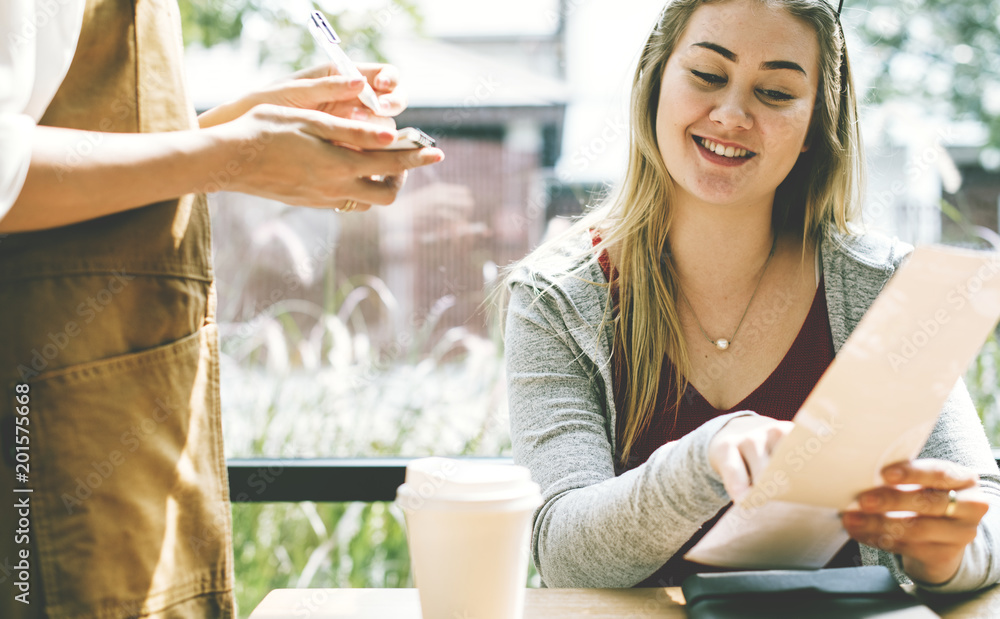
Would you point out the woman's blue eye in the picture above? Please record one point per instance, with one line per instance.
(709, 78)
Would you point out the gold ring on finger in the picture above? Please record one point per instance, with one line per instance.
(349, 206)
(949, 511)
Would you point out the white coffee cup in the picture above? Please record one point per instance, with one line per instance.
(468, 525)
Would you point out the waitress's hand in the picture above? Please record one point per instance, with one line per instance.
(321, 88)
(740, 451)
(932, 537)
(309, 158)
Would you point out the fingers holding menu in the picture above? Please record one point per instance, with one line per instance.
(939, 474)
(928, 512)
(927, 487)
(740, 451)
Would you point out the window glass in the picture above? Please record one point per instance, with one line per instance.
(372, 334)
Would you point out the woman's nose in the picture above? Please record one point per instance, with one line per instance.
(732, 111)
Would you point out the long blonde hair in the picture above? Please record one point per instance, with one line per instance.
(822, 190)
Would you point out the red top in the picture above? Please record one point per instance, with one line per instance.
(780, 396)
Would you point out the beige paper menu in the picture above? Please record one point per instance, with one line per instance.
(876, 404)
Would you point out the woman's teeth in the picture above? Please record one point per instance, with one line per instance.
(725, 151)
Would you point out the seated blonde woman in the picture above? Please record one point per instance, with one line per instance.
(658, 349)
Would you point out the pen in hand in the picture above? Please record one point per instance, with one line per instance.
(328, 40)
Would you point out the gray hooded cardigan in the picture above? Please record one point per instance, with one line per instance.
(598, 530)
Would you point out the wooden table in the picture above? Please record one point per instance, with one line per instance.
(664, 603)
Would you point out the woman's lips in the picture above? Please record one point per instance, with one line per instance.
(737, 157)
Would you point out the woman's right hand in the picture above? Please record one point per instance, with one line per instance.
(740, 451)
(310, 158)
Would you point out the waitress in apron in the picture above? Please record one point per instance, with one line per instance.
(108, 343)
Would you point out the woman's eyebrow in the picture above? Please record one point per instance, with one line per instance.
(715, 47)
(770, 65)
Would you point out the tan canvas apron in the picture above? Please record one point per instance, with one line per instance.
(110, 323)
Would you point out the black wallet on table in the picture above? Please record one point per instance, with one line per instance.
(841, 593)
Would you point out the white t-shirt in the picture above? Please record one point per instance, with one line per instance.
(37, 41)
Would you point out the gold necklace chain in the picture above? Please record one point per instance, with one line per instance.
(723, 343)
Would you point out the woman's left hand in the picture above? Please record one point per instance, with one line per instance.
(943, 506)
(311, 89)
(321, 88)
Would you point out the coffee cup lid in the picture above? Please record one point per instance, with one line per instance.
(464, 484)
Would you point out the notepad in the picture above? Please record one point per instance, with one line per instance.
(876, 404)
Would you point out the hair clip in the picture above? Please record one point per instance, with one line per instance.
(839, 7)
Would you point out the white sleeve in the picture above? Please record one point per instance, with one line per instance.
(15, 154)
(37, 41)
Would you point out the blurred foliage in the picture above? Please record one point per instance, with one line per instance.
(983, 376)
(983, 380)
(942, 53)
(326, 545)
(337, 366)
(330, 391)
(281, 26)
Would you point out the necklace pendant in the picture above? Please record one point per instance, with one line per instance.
(722, 343)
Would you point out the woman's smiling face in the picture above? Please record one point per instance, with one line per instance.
(736, 102)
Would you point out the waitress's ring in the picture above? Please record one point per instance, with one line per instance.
(349, 206)
(949, 511)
